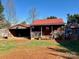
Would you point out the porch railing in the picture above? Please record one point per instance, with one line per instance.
(36, 34)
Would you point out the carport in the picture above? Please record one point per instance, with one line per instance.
(20, 30)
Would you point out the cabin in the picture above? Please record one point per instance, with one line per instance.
(43, 28)
(38, 29)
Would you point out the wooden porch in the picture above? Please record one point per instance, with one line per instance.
(43, 32)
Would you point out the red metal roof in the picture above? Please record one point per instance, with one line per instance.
(48, 22)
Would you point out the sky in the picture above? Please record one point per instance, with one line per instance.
(44, 8)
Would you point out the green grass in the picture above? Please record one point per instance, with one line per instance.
(6, 46)
(36, 43)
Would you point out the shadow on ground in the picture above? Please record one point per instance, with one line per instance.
(60, 52)
(70, 50)
(71, 45)
(66, 57)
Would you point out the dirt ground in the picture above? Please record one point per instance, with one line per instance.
(36, 53)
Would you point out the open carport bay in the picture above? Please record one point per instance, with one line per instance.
(20, 32)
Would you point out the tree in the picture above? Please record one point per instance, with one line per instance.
(51, 17)
(32, 15)
(1, 8)
(11, 12)
(73, 18)
(1, 11)
(3, 23)
(24, 22)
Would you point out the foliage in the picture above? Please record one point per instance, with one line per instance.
(73, 18)
(1, 8)
(3, 23)
(24, 22)
(1, 11)
(51, 17)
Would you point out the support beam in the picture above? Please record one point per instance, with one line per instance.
(51, 28)
(52, 31)
(41, 31)
(31, 32)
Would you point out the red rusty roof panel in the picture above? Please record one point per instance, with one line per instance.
(48, 22)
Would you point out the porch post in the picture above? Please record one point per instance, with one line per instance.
(52, 31)
(51, 28)
(31, 32)
(41, 31)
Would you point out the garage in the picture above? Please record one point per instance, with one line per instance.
(20, 30)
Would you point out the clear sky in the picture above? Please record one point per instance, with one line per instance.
(59, 8)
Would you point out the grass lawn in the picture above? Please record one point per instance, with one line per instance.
(42, 43)
(7, 45)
